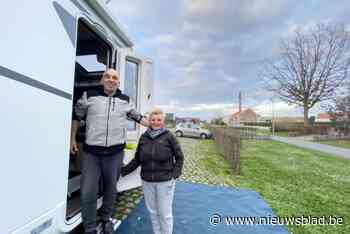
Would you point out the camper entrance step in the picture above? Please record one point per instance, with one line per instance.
(73, 207)
(73, 184)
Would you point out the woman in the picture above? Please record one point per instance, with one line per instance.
(161, 159)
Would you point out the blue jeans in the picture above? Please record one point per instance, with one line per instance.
(94, 168)
(159, 201)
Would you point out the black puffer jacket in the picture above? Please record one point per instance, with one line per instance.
(161, 158)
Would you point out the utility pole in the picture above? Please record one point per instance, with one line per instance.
(240, 101)
(273, 116)
(239, 107)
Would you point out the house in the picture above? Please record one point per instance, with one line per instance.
(323, 117)
(245, 115)
(264, 119)
(289, 119)
(187, 120)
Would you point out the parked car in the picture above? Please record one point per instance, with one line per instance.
(192, 130)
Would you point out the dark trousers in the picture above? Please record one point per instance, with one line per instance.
(94, 168)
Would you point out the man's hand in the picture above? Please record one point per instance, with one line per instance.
(144, 121)
(74, 147)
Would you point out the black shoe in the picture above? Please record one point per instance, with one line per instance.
(107, 227)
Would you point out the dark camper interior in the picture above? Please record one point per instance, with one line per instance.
(93, 56)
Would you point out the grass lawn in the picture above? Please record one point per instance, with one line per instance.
(266, 132)
(338, 143)
(263, 132)
(293, 181)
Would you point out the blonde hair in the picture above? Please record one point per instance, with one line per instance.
(156, 111)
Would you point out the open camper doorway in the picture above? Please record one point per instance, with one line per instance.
(93, 56)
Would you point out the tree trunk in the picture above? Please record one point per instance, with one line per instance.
(306, 116)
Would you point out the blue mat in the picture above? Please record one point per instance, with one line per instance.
(193, 206)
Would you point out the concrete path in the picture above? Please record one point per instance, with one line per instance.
(337, 151)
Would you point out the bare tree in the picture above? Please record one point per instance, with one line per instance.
(311, 65)
(339, 107)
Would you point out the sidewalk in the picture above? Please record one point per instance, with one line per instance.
(336, 151)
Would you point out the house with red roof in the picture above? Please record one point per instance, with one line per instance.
(245, 115)
(323, 117)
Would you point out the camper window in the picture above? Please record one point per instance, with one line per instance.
(90, 63)
(130, 85)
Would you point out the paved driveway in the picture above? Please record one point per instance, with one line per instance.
(333, 150)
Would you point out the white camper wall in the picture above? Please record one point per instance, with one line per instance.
(37, 62)
(35, 43)
(34, 122)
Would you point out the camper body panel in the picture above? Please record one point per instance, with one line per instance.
(37, 66)
(34, 148)
(34, 42)
(45, 224)
(36, 77)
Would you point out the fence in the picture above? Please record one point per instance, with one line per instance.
(250, 133)
(228, 142)
(318, 128)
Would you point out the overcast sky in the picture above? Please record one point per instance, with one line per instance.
(206, 51)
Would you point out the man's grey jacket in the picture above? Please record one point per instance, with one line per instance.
(106, 120)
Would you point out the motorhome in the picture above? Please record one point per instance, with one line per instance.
(51, 52)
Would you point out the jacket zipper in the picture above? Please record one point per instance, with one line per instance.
(109, 108)
(152, 162)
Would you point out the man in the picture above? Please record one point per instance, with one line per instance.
(106, 111)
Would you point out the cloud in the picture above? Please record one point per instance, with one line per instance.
(207, 17)
(201, 107)
(203, 110)
(206, 51)
(228, 78)
(265, 108)
(164, 39)
(279, 108)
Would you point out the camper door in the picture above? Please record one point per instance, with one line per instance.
(136, 75)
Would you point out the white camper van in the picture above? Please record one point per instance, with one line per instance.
(52, 51)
